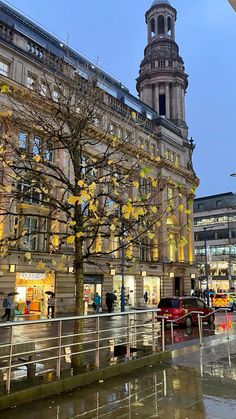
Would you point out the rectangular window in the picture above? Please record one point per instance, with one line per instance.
(36, 146)
(22, 140)
(31, 82)
(31, 238)
(162, 105)
(55, 96)
(4, 68)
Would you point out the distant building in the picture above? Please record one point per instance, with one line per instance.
(233, 4)
(215, 225)
(26, 49)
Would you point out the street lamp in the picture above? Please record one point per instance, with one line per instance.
(122, 305)
(206, 261)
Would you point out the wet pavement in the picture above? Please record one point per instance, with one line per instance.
(195, 384)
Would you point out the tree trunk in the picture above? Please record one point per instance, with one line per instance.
(77, 359)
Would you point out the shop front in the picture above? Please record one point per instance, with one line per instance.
(92, 284)
(129, 290)
(152, 290)
(31, 288)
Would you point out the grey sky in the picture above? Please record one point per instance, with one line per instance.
(113, 32)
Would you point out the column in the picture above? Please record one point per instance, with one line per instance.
(183, 105)
(167, 100)
(156, 99)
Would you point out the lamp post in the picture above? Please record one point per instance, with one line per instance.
(122, 305)
(206, 262)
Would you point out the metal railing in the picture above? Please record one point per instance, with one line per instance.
(105, 340)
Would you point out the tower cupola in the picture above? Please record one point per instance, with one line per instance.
(162, 80)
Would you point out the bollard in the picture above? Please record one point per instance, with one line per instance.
(227, 326)
(58, 370)
(172, 334)
(163, 334)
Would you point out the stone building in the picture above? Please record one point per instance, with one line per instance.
(25, 50)
(215, 240)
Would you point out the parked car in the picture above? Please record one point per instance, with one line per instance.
(175, 307)
(225, 300)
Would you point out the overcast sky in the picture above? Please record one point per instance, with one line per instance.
(113, 33)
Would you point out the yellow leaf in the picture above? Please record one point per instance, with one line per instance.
(187, 212)
(136, 184)
(154, 209)
(73, 199)
(79, 234)
(92, 207)
(28, 255)
(8, 188)
(72, 223)
(129, 252)
(80, 183)
(41, 265)
(55, 240)
(4, 88)
(112, 227)
(151, 235)
(37, 158)
(154, 183)
(60, 266)
(70, 240)
(109, 162)
(181, 207)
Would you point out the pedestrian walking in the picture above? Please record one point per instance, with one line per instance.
(7, 305)
(96, 302)
(145, 297)
(110, 299)
(51, 305)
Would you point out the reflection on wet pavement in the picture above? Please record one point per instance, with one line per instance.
(162, 391)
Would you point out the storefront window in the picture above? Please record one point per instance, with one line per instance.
(129, 290)
(32, 286)
(152, 285)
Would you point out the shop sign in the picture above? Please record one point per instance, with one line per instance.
(31, 275)
(44, 260)
(93, 279)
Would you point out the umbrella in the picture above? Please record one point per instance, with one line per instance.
(10, 294)
(50, 293)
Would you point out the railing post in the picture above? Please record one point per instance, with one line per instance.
(227, 326)
(128, 336)
(172, 334)
(200, 328)
(10, 361)
(153, 333)
(163, 333)
(58, 371)
(97, 353)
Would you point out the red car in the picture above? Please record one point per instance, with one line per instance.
(175, 307)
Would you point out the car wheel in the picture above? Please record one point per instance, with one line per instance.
(211, 319)
(188, 322)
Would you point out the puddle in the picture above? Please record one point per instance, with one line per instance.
(161, 391)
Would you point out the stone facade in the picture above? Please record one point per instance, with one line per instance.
(26, 49)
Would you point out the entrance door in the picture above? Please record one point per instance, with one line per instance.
(177, 286)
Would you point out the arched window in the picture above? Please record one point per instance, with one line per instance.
(169, 26)
(153, 27)
(161, 25)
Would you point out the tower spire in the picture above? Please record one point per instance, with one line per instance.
(162, 80)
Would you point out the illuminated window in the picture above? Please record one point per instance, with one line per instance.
(4, 68)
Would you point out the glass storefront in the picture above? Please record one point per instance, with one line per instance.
(152, 285)
(92, 284)
(129, 290)
(31, 288)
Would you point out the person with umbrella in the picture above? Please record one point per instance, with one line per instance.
(51, 303)
(8, 305)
